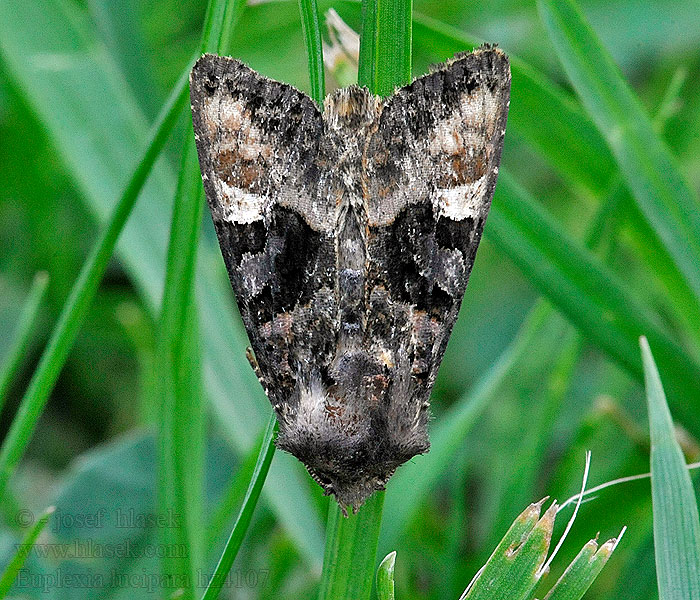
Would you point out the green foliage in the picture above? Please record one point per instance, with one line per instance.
(676, 521)
(351, 549)
(233, 545)
(519, 398)
(10, 573)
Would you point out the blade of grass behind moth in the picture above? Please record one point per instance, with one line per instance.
(82, 294)
(351, 551)
(231, 18)
(389, 51)
(18, 560)
(650, 170)
(23, 335)
(351, 543)
(368, 45)
(178, 362)
(314, 49)
(676, 521)
(594, 299)
(262, 466)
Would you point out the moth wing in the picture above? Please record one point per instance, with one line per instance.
(257, 141)
(432, 167)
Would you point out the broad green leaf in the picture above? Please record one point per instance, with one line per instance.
(658, 186)
(676, 521)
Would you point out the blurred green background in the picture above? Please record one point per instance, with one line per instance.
(80, 82)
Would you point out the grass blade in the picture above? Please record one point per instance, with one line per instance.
(84, 289)
(23, 336)
(262, 466)
(385, 45)
(676, 521)
(650, 170)
(582, 572)
(385, 577)
(368, 45)
(585, 291)
(314, 49)
(182, 431)
(12, 569)
(513, 570)
(351, 551)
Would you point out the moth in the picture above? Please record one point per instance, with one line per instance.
(349, 235)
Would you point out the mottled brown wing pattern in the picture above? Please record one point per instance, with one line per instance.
(432, 167)
(349, 238)
(258, 142)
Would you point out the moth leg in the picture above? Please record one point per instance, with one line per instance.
(256, 367)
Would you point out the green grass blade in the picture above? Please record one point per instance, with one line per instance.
(234, 495)
(351, 551)
(17, 562)
(368, 45)
(182, 432)
(676, 521)
(314, 49)
(75, 308)
(385, 45)
(582, 572)
(23, 335)
(512, 571)
(385, 577)
(650, 170)
(351, 543)
(262, 466)
(234, 11)
(540, 112)
(588, 294)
